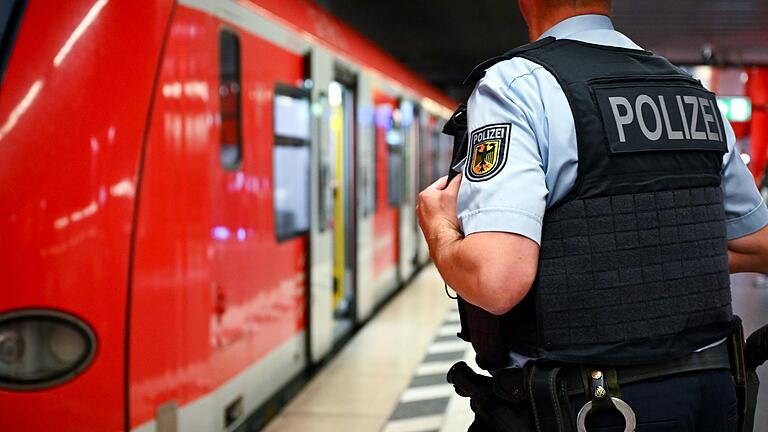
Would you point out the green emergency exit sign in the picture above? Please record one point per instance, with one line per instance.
(735, 108)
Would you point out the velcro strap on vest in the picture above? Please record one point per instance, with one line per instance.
(479, 71)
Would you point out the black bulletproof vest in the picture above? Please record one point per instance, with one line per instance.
(633, 265)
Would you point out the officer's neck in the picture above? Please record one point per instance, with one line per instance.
(542, 20)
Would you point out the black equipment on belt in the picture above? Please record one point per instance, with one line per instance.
(536, 397)
(755, 353)
(602, 399)
(493, 409)
(756, 349)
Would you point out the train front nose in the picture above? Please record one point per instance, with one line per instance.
(74, 100)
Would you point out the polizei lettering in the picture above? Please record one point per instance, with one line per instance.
(487, 134)
(653, 118)
(691, 123)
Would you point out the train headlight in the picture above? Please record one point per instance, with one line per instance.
(42, 348)
(11, 346)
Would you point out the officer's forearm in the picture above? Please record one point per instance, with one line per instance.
(493, 270)
(742, 262)
(749, 253)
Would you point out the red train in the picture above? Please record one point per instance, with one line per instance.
(200, 200)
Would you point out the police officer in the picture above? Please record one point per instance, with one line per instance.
(600, 210)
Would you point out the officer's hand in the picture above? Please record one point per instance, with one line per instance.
(437, 210)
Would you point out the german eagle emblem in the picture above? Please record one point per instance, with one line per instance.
(487, 151)
(485, 156)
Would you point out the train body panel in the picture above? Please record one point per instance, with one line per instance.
(388, 160)
(224, 188)
(207, 258)
(73, 111)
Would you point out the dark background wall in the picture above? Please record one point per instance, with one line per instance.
(443, 40)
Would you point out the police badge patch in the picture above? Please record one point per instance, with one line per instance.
(487, 151)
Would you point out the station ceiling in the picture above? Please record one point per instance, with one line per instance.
(442, 40)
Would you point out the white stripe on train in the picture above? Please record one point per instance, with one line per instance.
(255, 384)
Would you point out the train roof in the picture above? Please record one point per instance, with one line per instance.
(315, 24)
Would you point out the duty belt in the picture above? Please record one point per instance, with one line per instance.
(603, 384)
(536, 398)
(712, 358)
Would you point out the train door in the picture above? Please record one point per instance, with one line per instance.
(365, 156)
(321, 241)
(341, 101)
(407, 204)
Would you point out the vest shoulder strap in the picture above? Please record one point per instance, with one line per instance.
(479, 71)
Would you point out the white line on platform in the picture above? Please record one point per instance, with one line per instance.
(427, 392)
(445, 347)
(434, 368)
(417, 424)
(449, 329)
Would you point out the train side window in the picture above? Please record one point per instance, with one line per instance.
(231, 152)
(290, 161)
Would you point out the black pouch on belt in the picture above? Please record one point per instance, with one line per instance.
(530, 399)
(738, 370)
(745, 358)
(548, 395)
(490, 399)
(755, 354)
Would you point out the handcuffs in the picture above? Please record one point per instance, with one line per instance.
(600, 399)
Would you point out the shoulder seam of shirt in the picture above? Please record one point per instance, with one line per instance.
(529, 73)
(487, 80)
(508, 86)
(505, 93)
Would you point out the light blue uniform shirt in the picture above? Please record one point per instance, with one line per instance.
(540, 168)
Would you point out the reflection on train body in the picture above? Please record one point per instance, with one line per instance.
(220, 203)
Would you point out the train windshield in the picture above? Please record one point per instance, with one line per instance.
(10, 18)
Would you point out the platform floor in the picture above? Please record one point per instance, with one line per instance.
(391, 376)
